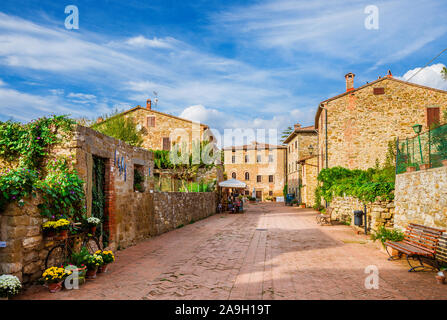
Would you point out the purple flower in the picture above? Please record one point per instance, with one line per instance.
(38, 138)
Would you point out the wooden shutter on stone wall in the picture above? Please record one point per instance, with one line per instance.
(150, 122)
(432, 116)
(166, 144)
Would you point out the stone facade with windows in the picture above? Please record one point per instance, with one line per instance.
(261, 166)
(300, 144)
(161, 130)
(355, 127)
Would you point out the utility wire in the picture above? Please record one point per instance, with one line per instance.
(427, 64)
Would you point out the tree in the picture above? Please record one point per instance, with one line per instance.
(286, 133)
(444, 73)
(120, 127)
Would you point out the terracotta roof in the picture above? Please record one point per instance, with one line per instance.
(298, 130)
(155, 111)
(255, 145)
(317, 116)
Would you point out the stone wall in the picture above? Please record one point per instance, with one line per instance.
(132, 216)
(421, 197)
(379, 213)
(176, 209)
(360, 124)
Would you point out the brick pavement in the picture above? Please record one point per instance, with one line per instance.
(270, 252)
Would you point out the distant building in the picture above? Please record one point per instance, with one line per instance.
(354, 128)
(161, 130)
(301, 146)
(261, 166)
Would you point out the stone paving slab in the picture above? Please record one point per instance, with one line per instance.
(269, 252)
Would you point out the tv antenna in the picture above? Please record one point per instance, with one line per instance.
(156, 97)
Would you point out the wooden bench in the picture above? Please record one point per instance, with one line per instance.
(420, 243)
(323, 219)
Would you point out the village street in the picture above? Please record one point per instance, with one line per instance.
(269, 252)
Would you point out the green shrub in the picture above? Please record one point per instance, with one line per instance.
(384, 234)
(120, 127)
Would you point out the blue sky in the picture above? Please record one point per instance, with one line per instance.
(230, 64)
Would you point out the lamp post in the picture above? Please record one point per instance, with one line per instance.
(417, 129)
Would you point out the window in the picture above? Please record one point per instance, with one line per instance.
(166, 144)
(258, 194)
(247, 158)
(233, 159)
(258, 178)
(247, 176)
(270, 193)
(150, 122)
(270, 178)
(432, 116)
(378, 91)
(247, 193)
(233, 175)
(258, 158)
(270, 157)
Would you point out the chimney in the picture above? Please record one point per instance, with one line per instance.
(349, 81)
(389, 75)
(297, 126)
(99, 120)
(148, 104)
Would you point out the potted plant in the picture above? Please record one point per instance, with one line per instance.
(251, 199)
(54, 277)
(49, 228)
(440, 276)
(79, 260)
(107, 258)
(444, 162)
(294, 202)
(302, 205)
(384, 234)
(411, 167)
(425, 166)
(94, 261)
(92, 223)
(9, 286)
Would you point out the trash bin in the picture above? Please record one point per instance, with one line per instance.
(358, 217)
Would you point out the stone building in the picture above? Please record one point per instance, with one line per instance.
(161, 130)
(261, 166)
(300, 145)
(354, 128)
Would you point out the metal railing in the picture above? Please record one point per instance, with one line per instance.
(428, 149)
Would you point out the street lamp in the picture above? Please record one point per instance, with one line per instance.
(417, 129)
(311, 149)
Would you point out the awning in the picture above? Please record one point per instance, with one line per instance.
(232, 183)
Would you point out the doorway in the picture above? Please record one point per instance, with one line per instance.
(99, 198)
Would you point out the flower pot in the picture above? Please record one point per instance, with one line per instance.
(55, 287)
(440, 279)
(50, 234)
(62, 235)
(93, 230)
(411, 169)
(103, 268)
(91, 273)
(444, 162)
(302, 206)
(425, 166)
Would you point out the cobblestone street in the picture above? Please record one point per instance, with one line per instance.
(270, 252)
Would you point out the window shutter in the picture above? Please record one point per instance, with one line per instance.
(166, 144)
(432, 116)
(150, 122)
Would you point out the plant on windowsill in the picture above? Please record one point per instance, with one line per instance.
(411, 167)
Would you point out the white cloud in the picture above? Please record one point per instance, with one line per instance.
(430, 76)
(141, 42)
(82, 97)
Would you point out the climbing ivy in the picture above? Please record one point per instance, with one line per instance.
(25, 147)
(366, 185)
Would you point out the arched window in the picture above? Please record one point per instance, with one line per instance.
(233, 175)
(247, 176)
